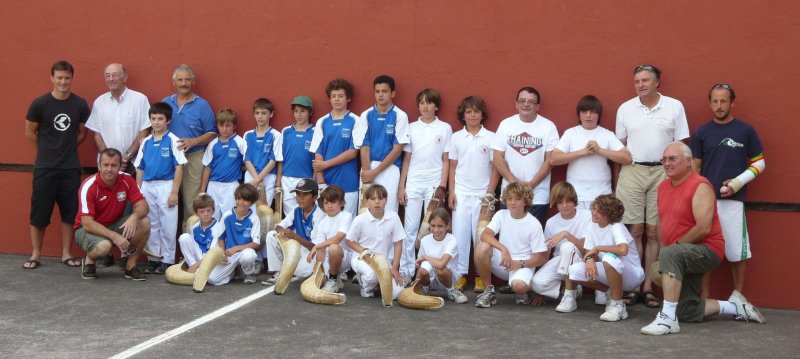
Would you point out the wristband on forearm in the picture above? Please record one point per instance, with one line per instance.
(756, 167)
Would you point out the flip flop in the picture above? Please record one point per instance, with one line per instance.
(650, 302)
(71, 262)
(31, 264)
(632, 298)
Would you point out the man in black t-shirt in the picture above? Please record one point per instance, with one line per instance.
(55, 126)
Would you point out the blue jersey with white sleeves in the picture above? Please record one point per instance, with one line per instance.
(159, 157)
(331, 138)
(382, 131)
(296, 156)
(240, 231)
(261, 150)
(225, 159)
(207, 237)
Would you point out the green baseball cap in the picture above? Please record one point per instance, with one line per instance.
(302, 101)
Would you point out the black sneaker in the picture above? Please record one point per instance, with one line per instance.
(88, 271)
(505, 289)
(162, 268)
(135, 274)
(151, 267)
(123, 263)
(105, 262)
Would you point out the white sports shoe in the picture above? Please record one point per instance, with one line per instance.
(366, 293)
(662, 325)
(249, 278)
(271, 280)
(456, 296)
(568, 304)
(331, 286)
(614, 313)
(600, 298)
(746, 311)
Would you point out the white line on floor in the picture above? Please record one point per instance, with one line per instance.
(193, 324)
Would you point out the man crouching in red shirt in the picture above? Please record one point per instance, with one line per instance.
(101, 222)
(692, 245)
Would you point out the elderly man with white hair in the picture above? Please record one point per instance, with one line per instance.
(194, 123)
(692, 246)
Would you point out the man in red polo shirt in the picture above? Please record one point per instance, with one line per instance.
(692, 245)
(102, 223)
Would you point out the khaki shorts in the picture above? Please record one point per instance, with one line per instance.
(637, 188)
(88, 241)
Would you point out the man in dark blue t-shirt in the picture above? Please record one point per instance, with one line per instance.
(55, 126)
(728, 152)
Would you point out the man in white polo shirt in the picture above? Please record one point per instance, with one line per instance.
(119, 120)
(522, 148)
(646, 124)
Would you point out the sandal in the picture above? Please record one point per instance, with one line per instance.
(31, 264)
(632, 298)
(651, 302)
(71, 262)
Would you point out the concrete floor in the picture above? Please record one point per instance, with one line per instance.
(51, 312)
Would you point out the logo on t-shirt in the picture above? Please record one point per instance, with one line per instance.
(524, 143)
(438, 139)
(233, 152)
(307, 145)
(164, 152)
(61, 122)
(730, 143)
(389, 128)
(346, 133)
(267, 148)
(121, 196)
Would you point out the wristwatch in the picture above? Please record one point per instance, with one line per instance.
(521, 263)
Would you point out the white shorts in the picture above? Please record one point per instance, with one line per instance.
(343, 268)
(631, 277)
(435, 284)
(368, 278)
(274, 256)
(525, 275)
(222, 193)
(289, 199)
(734, 230)
(390, 179)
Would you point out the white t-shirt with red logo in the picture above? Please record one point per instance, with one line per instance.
(525, 145)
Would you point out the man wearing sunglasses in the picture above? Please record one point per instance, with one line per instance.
(646, 124)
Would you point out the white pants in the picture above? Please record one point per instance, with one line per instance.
(269, 185)
(734, 230)
(163, 219)
(524, 275)
(223, 272)
(433, 274)
(389, 178)
(416, 194)
(351, 203)
(368, 278)
(191, 250)
(222, 193)
(547, 280)
(274, 257)
(631, 277)
(289, 198)
(465, 223)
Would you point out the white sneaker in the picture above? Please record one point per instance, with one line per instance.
(568, 304)
(331, 286)
(523, 299)
(600, 298)
(366, 293)
(407, 279)
(662, 325)
(579, 292)
(356, 278)
(456, 296)
(746, 311)
(259, 267)
(249, 278)
(614, 313)
(272, 280)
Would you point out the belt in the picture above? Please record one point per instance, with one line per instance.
(649, 164)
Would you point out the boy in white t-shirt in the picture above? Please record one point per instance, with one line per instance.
(376, 231)
(611, 260)
(520, 249)
(436, 260)
(587, 148)
(565, 233)
(471, 177)
(327, 237)
(425, 167)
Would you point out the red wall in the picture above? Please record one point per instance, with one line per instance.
(490, 49)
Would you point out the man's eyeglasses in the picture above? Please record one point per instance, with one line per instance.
(644, 68)
(523, 102)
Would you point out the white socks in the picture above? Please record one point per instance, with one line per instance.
(726, 307)
(669, 309)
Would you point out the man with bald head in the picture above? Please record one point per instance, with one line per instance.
(194, 123)
(119, 121)
(692, 246)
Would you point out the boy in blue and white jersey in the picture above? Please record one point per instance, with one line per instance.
(223, 161)
(381, 132)
(159, 170)
(241, 239)
(296, 163)
(333, 146)
(264, 151)
(203, 235)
